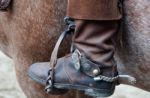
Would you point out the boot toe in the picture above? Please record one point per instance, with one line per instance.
(39, 72)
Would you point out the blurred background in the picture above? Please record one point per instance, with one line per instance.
(9, 87)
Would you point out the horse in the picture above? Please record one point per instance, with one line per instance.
(29, 30)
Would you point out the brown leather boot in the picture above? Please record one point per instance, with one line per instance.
(89, 67)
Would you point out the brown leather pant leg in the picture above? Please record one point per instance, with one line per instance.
(95, 40)
(96, 24)
(94, 9)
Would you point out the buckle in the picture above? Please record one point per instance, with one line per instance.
(85, 65)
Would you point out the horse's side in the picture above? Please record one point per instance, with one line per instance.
(29, 30)
(134, 53)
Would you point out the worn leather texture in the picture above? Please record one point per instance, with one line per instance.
(66, 76)
(94, 9)
(95, 40)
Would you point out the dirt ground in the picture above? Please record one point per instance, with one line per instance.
(9, 87)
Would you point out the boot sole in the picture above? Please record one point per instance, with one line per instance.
(87, 90)
(94, 92)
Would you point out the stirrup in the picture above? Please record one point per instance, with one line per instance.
(53, 60)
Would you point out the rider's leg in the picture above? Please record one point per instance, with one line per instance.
(90, 67)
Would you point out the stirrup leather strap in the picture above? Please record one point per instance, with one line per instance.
(53, 59)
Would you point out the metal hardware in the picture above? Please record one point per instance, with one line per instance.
(76, 59)
(50, 80)
(96, 72)
(125, 79)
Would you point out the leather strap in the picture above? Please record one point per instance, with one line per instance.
(53, 59)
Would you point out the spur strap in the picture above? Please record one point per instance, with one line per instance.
(53, 60)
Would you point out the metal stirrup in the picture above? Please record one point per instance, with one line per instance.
(50, 80)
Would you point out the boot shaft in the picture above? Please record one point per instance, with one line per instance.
(94, 39)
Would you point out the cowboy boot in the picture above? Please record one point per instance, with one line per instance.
(90, 67)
